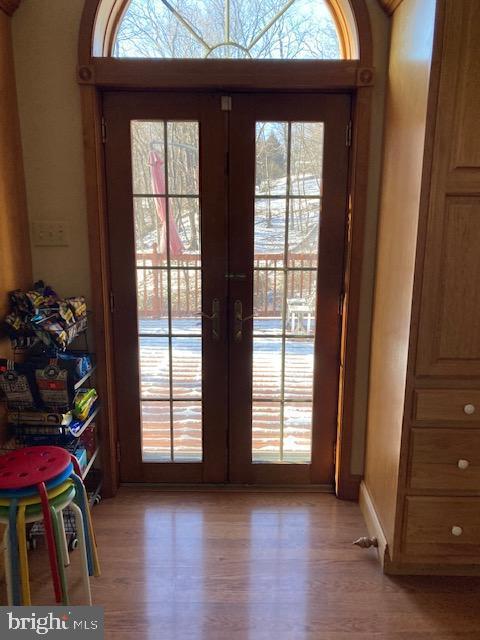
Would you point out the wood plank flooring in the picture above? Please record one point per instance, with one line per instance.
(255, 566)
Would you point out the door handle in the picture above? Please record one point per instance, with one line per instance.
(238, 320)
(215, 318)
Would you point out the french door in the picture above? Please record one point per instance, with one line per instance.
(227, 234)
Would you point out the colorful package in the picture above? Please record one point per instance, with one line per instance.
(84, 400)
(89, 439)
(78, 306)
(39, 430)
(56, 377)
(55, 386)
(17, 383)
(16, 325)
(78, 364)
(39, 418)
(41, 313)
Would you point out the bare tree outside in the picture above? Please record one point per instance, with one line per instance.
(262, 29)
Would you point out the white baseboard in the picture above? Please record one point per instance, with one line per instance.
(372, 521)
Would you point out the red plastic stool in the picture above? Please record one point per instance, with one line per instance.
(23, 469)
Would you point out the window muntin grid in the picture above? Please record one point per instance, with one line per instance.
(289, 159)
(228, 29)
(166, 202)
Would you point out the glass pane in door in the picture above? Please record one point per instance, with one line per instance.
(288, 201)
(165, 170)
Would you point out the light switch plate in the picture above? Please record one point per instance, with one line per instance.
(50, 233)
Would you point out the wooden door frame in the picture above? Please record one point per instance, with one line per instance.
(96, 75)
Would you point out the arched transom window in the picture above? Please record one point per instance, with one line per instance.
(259, 29)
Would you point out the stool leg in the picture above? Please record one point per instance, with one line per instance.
(49, 535)
(83, 551)
(22, 551)
(76, 465)
(65, 556)
(8, 572)
(57, 530)
(13, 553)
(96, 561)
(82, 501)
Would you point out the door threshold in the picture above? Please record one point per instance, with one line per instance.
(236, 488)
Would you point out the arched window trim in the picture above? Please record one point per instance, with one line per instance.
(110, 13)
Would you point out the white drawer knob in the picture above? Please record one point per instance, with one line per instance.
(457, 531)
(469, 409)
(463, 464)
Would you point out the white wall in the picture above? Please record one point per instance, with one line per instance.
(45, 44)
(45, 35)
(381, 36)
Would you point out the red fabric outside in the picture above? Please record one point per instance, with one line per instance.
(157, 170)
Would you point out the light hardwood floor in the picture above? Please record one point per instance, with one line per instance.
(256, 566)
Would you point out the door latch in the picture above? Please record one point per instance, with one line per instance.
(238, 321)
(235, 276)
(215, 318)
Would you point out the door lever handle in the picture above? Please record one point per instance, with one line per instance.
(238, 320)
(215, 318)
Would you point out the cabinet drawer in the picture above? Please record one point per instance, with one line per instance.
(442, 527)
(447, 405)
(445, 460)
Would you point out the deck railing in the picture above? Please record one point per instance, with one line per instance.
(185, 283)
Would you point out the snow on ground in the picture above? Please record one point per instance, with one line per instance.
(186, 386)
(271, 217)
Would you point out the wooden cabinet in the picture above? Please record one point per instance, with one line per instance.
(447, 405)
(420, 494)
(445, 460)
(449, 343)
(449, 337)
(443, 527)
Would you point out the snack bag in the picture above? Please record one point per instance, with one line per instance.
(17, 383)
(55, 386)
(78, 364)
(83, 402)
(78, 306)
(52, 331)
(89, 439)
